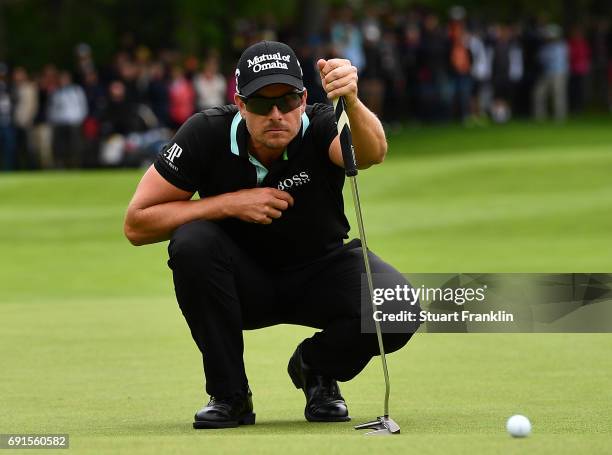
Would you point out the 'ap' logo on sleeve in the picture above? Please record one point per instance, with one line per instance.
(173, 152)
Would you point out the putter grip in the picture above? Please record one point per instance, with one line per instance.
(346, 141)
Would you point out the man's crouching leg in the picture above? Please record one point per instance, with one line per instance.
(203, 262)
(342, 350)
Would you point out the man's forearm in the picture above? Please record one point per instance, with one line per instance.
(368, 134)
(158, 222)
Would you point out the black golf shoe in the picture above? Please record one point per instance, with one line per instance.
(226, 412)
(323, 400)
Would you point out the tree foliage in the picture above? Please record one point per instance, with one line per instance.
(33, 32)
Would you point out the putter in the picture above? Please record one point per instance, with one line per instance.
(383, 425)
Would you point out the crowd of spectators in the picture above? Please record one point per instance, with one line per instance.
(413, 65)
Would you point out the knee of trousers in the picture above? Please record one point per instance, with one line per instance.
(395, 341)
(197, 244)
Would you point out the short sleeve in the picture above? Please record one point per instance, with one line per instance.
(181, 161)
(323, 126)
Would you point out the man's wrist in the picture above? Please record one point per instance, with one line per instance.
(226, 208)
(351, 102)
(216, 207)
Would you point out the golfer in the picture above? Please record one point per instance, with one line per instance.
(264, 243)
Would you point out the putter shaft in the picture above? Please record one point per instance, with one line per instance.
(383, 424)
(366, 261)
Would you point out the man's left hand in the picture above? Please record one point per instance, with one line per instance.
(339, 78)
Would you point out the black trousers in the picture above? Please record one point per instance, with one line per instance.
(222, 291)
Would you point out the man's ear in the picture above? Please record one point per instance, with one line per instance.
(304, 98)
(241, 106)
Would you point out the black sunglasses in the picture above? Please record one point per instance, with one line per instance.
(261, 105)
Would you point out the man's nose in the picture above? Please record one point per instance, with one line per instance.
(275, 112)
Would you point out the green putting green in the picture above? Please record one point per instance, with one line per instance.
(93, 344)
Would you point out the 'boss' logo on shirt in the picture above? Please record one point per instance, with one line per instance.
(295, 181)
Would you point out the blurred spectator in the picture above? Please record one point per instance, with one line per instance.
(552, 83)
(120, 118)
(394, 82)
(26, 106)
(460, 67)
(371, 84)
(142, 64)
(517, 64)
(308, 57)
(268, 27)
(209, 84)
(435, 88)
(507, 71)
(409, 53)
(84, 62)
(181, 98)
(96, 102)
(7, 132)
(158, 93)
(190, 67)
(481, 77)
(94, 93)
(120, 115)
(530, 41)
(126, 71)
(580, 65)
(42, 133)
(67, 111)
(601, 46)
(346, 38)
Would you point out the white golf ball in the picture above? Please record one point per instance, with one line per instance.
(518, 426)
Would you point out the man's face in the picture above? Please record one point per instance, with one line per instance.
(274, 130)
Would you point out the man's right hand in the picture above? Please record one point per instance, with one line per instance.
(258, 205)
(158, 208)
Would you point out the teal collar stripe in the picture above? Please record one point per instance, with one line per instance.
(261, 170)
(234, 133)
(305, 123)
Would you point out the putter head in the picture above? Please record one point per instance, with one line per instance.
(382, 426)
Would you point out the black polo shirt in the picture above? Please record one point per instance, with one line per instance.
(209, 154)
